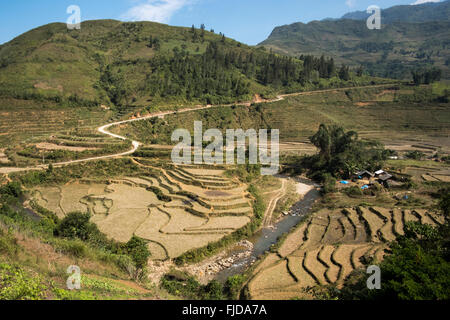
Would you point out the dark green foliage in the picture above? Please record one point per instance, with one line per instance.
(76, 225)
(137, 249)
(344, 73)
(213, 291)
(342, 153)
(233, 286)
(444, 203)
(131, 64)
(159, 194)
(426, 76)
(324, 66)
(186, 286)
(12, 189)
(416, 155)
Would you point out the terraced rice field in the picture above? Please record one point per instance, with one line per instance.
(176, 209)
(328, 247)
(41, 122)
(64, 147)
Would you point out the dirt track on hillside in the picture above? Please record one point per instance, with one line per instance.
(136, 144)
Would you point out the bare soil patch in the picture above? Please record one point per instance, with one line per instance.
(52, 146)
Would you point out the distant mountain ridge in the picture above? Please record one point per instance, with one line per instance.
(399, 47)
(431, 11)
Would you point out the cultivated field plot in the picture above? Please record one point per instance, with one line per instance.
(176, 209)
(328, 247)
(22, 119)
(64, 146)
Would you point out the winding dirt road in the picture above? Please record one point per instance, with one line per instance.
(278, 194)
(137, 144)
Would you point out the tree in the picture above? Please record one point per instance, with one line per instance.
(76, 225)
(444, 204)
(360, 71)
(213, 291)
(12, 189)
(344, 73)
(341, 153)
(137, 249)
(426, 76)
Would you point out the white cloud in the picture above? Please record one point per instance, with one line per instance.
(350, 3)
(424, 1)
(155, 10)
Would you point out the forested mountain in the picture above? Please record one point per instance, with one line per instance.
(142, 63)
(432, 11)
(394, 51)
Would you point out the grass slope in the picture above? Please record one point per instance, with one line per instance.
(390, 52)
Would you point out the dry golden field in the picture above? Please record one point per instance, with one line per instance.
(176, 210)
(328, 247)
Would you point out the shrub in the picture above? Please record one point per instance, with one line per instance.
(213, 291)
(182, 284)
(13, 189)
(77, 225)
(16, 284)
(329, 184)
(416, 155)
(353, 191)
(126, 263)
(75, 248)
(137, 249)
(8, 243)
(233, 286)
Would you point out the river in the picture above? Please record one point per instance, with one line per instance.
(265, 238)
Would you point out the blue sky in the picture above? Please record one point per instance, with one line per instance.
(249, 21)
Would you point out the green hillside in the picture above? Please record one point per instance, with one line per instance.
(135, 64)
(393, 51)
(53, 79)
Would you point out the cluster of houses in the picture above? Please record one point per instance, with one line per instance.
(380, 176)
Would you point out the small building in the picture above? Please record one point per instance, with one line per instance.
(364, 175)
(379, 172)
(384, 179)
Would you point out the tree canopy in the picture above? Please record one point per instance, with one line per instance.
(342, 153)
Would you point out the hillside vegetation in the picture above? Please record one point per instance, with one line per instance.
(54, 79)
(125, 64)
(403, 44)
(384, 113)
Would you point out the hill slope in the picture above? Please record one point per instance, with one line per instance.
(125, 64)
(391, 52)
(426, 12)
(106, 60)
